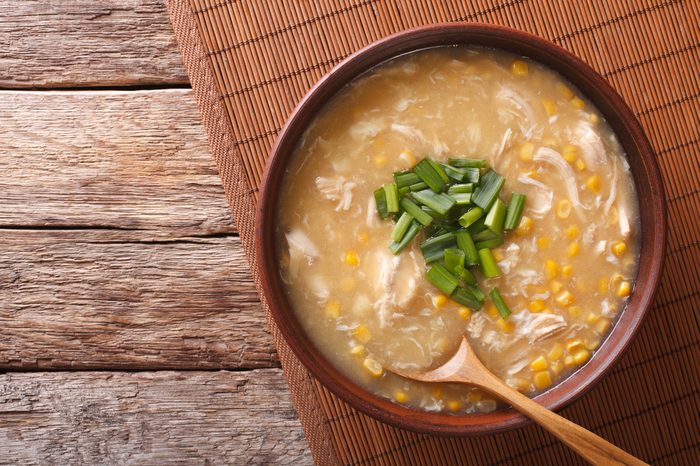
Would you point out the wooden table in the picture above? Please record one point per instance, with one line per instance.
(130, 330)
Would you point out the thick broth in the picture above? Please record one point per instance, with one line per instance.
(567, 270)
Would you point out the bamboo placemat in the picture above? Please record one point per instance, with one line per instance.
(250, 61)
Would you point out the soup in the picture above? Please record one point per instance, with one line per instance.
(565, 271)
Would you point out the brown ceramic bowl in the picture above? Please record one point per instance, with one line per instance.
(644, 170)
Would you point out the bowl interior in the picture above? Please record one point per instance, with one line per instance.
(644, 172)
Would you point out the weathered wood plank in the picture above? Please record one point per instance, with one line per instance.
(129, 160)
(82, 43)
(149, 418)
(102, 300)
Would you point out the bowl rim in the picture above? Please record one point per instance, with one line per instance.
(647, 180)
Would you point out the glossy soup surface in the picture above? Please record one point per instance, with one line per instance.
(566, 271)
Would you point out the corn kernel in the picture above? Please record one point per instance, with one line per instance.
(473, 396)
(525, 226)
(580, 165)
(569, 361)
(373, 367)
(592, 344)
(574, 311)
(549, 106)
(542, 380)
(572, 231)
(556, 352)
(362, 334)
(565, 91)
(569, 152)
(400, 396)
(565, 299)
(333, 309)
(619, 248)
(492, 310)
(358, 350)
(578, 103)
(543, 242)
(497, 254)
(593, 183)
(574, 346)
(603, 285)
(362, 236)
(582, 356)
(505, 325)
(519, 68)
(539, 364)
(407, 157)
(563, 208)
(556, 286)
(454, 405)
(592, 318)
(593, 118)
(615, 280)
(437, 392)
(602, 326)
(527, 151)
(567, 271)
(518, 383)
(624, 290)
(573, 249)
(551, 269)
(351, 258)
(440, 300)
(536, 306)
(379, 161)
(557, 367)
(347, 284)
(465, 313)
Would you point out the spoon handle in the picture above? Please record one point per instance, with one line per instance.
(593, 448)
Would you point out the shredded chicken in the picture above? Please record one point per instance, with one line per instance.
(438, 146)
(367, 128)
(520, 111)
(536, 327)
(336, 189)
(624, 220)
(541, 203)
(592, 146)
(300, 248)
(394, 279)
(552, 157)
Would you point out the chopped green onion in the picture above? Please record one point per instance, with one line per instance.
(461, 198)
(439, 202)
(467, 163)
(410, 207)
(495, 217)
(401, 227)
(453, 258)
(438, 169)
(380, 201)
(466, 298)
(442, 279)
(477, 226)
(488, 264)
(405, 179)
(392, 197)
(411, 233)
(432, 213)
(485, 195)
(404, 190)
(485, 235)
(471, 216)
(432, 248)
(465, 275)
(515, 211)
(425, 171)
(418, 186)
(462, 174)
(500, 303)
(489, 243)
(477, 292)
(461, 188)
(466, 244)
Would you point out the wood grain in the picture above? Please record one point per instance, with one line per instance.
(117, 159)
(149, 418)
(81, 43)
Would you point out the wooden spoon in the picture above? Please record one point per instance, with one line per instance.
(465, 367)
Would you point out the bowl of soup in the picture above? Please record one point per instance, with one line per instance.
(352, 286)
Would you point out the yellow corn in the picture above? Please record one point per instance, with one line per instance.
(351, 258)
(440, 300)
(580, 165)
(592, 318)
(565, 91)
(549, 106)
(593, 183)
(573, 249)
(574, 311)
(525, 226)
(556, 286)
(362, 236)
(592, 344)
(581, 356)
(578, 103)
(619, 248)
(333, 309)
(527, 151)
(347, 284)
(536, 306)
(358, 350)
(603, 285)
(602, 326)
(407, 157)
(569, 152)
(564, 208)
(492, 310)
(497, 254)
(569, 361)
(373, 367)
(379, 161)
(615, 280)
(574, 346)
(473, 396)
(551, 269)
(519, 68)
(557, 367)
(543, 242)
(400, 396)
(565, 299)
(556, 352)
(593, 118)
(624, 290)
(437, 392)
(518, 383)
(362, 334)
(505, 325)
(542, 380)
(572, 231)
(567, 271)
(454, 405)
(465, 313)
(539, 364)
